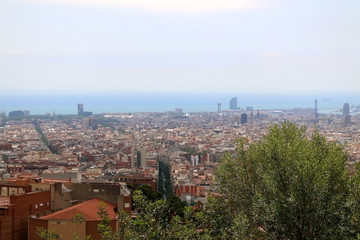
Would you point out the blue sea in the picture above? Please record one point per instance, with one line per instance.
(159, 102)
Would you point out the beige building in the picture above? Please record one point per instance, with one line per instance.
(62, 222)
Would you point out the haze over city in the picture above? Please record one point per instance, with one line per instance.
(213, 46)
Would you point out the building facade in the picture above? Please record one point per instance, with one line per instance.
(233, 103)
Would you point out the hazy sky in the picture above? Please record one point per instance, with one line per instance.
(207, 46)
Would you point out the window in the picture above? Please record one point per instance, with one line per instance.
(41, 204)
(96, 190)
(36, 206)
(127, 205)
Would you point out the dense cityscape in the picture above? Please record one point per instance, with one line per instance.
(61, 162)
(179, 120)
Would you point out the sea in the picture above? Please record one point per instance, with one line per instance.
(162, 102)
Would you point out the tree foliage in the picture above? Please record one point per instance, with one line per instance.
(104, 227)
(154, 222)
(290, 187)
(45, 234)
(176, 206)
(150, 193)
(164, 184)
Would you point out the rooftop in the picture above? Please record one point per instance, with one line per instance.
(89, 210)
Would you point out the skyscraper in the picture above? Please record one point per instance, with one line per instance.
(85, 123)
(141, 157)
(243, 118)
(133, 163)
(219, 107)
(80, 109)
(316, 110)
(346, 109)
(233, 103)
(347, 120)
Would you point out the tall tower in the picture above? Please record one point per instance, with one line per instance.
(233, 103)
(133, 163)
(316, 110)
(80, 109)
(219, 107)
(346, 109)
(141, 157)
(243, 118)
(347, 120)
(85, 123)
(346, 114)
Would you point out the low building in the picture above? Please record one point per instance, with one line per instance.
(15, 211)
(64, 195)
(136, 180)
(18, 113)
(61, 222)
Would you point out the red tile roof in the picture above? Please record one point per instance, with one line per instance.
(88, 209)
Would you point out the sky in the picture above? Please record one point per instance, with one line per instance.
(179, 46)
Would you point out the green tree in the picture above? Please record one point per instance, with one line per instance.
(288, 186)
(176, 205)
(45, 234)
(150, 193)
(164, 183)
(153, 222)
(104, 227)
(189, 227)
(78, 219)
(125, 226)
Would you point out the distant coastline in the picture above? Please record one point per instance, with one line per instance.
(129, 103)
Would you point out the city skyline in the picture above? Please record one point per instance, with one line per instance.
(260, 47)
(66, 104)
